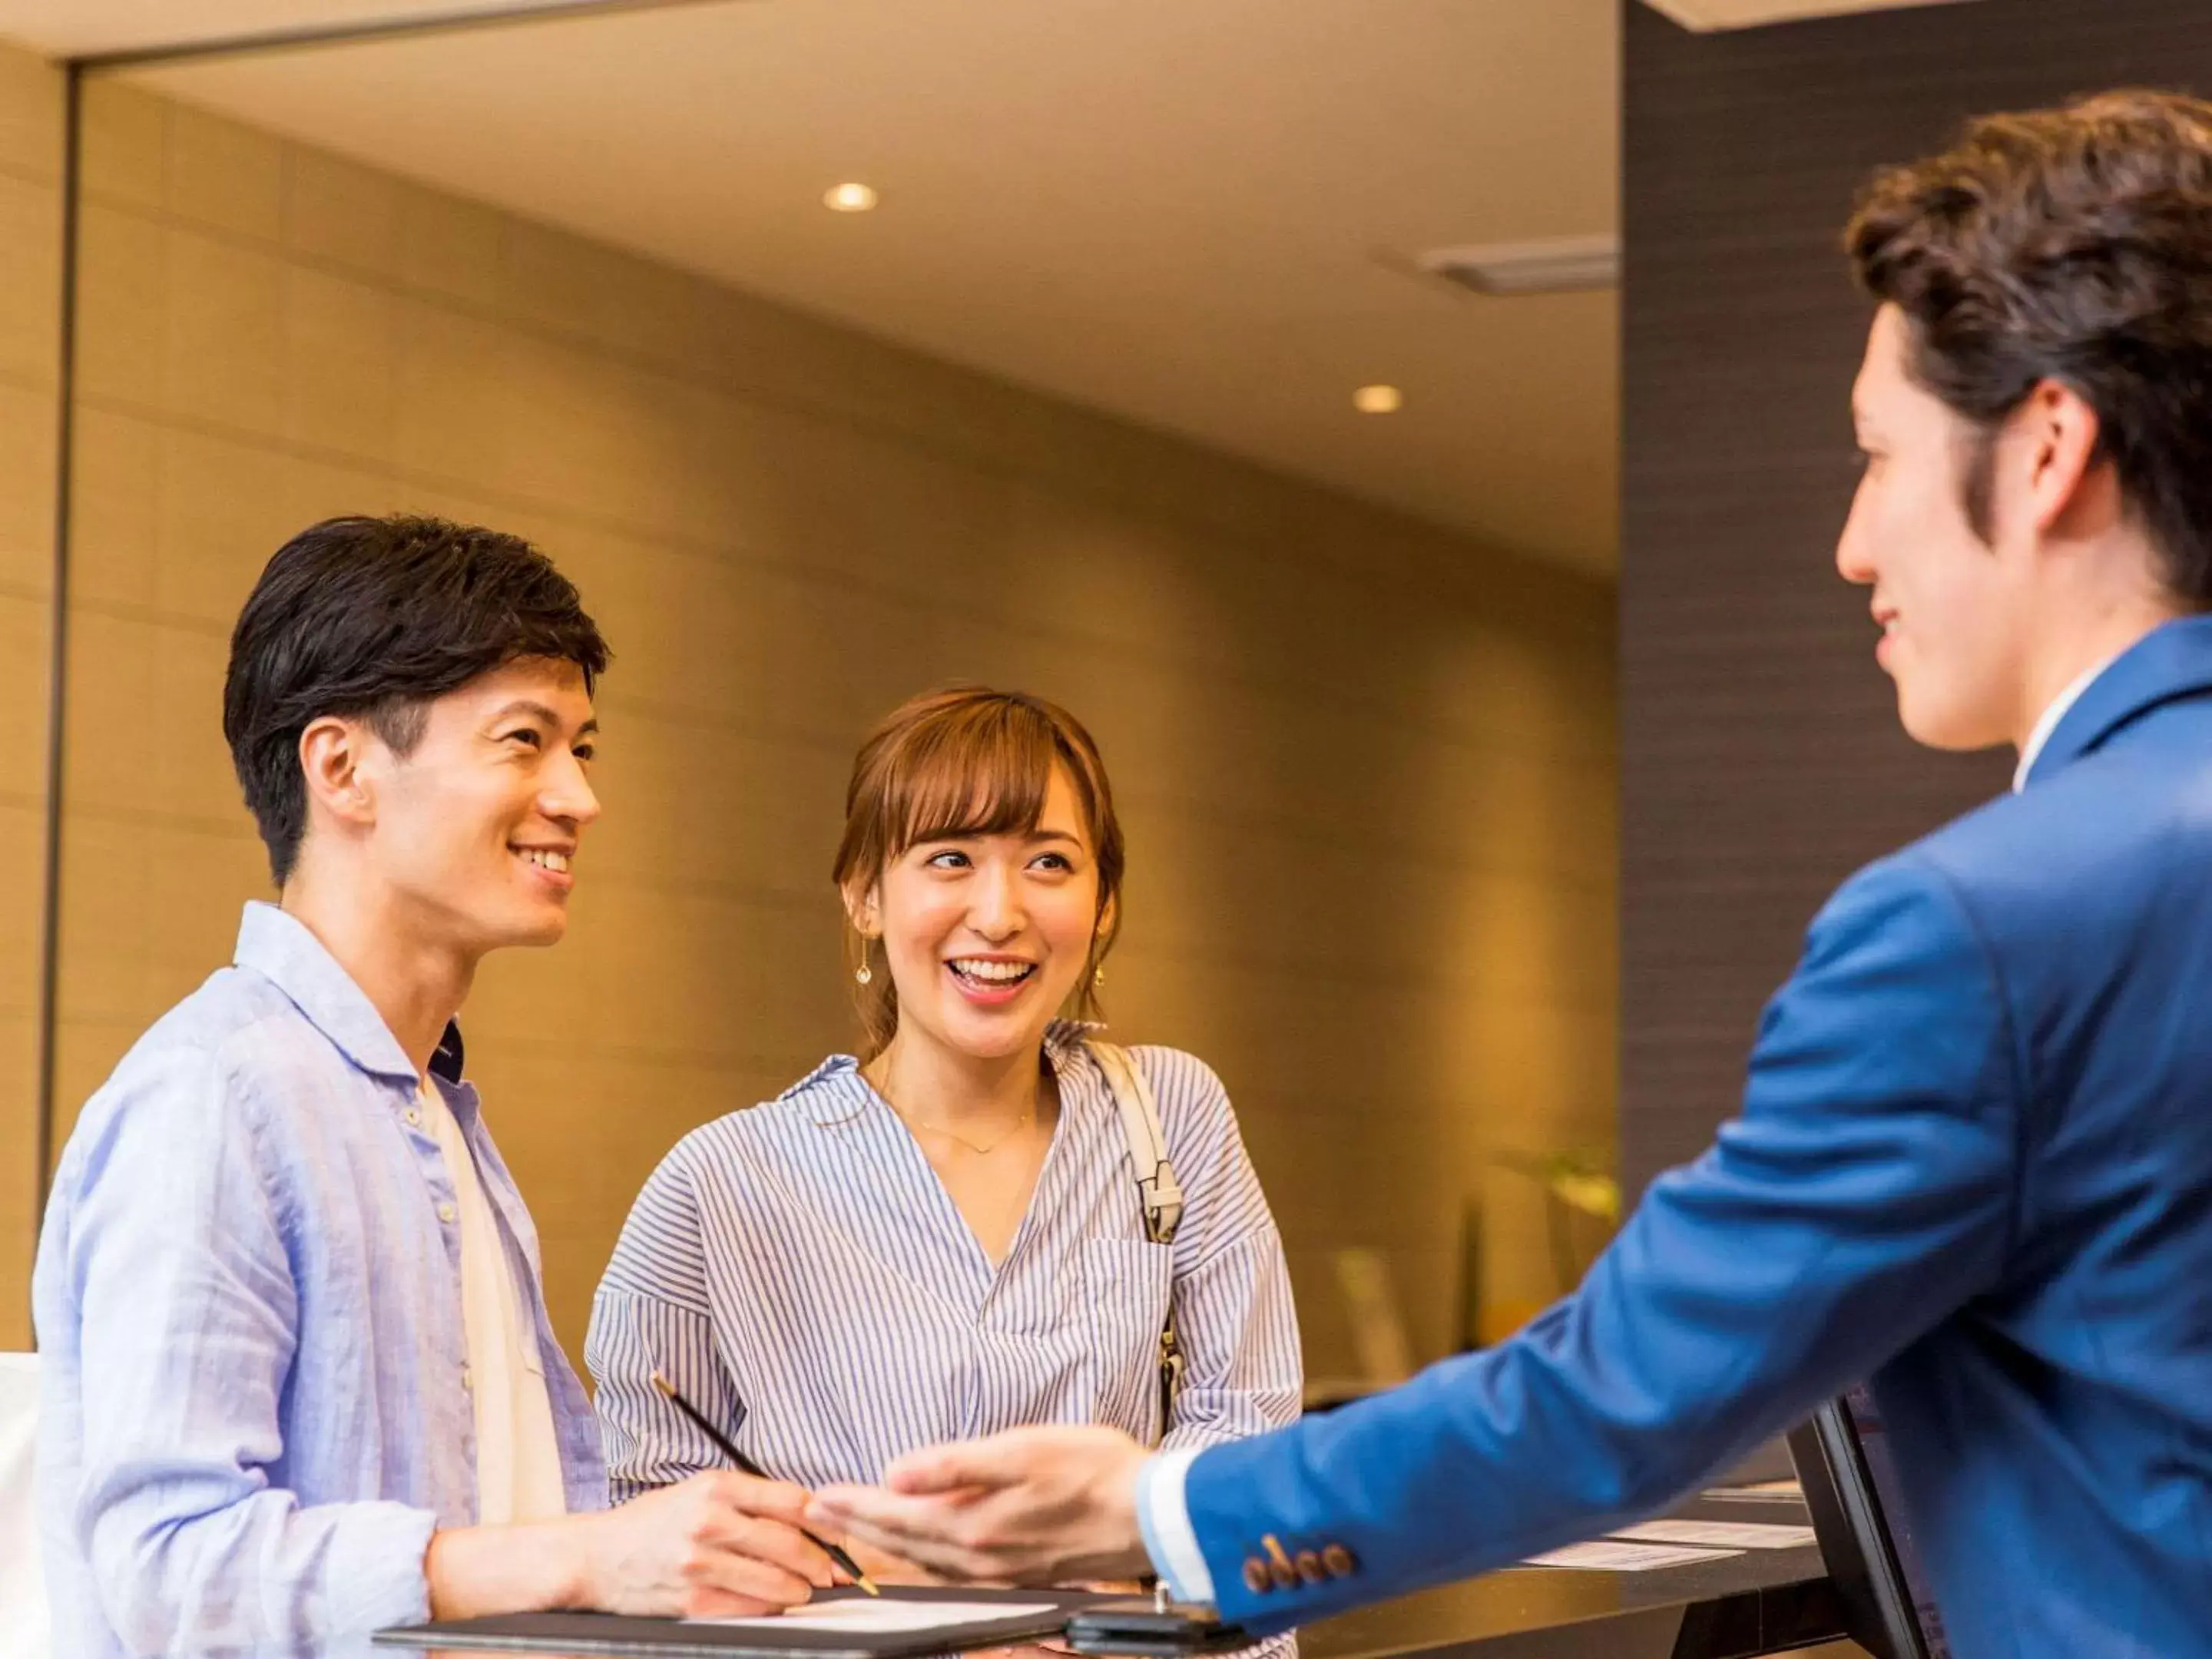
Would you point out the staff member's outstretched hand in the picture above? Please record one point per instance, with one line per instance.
(1041, 1505)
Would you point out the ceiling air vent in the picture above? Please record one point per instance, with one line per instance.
(1564, 264)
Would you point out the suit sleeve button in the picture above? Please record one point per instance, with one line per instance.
(1310, 1567)
(1339, 1562)
(1255, 1575)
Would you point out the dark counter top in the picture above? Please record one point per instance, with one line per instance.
(1758, 1602)
(1733, 1606)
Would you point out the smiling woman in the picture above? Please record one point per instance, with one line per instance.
(947, 1236)
(952, 776)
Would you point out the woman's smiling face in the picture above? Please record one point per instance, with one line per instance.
(987, 936)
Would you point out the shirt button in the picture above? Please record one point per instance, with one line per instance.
(468, 1379)
(413, 1118)
(445, 1212)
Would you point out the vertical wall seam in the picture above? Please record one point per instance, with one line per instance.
(57, 641)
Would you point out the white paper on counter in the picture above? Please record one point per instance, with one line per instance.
(874, 1616)
(1604, 1555)
(1765, 1491)
(1725, 1534)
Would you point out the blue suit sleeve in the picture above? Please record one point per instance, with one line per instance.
(1864, 1194)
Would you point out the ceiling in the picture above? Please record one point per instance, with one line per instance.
(77, 28)
(1194, 215)
(83, 29)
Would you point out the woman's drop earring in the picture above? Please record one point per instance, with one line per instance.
(865, 974)
(1098, 974)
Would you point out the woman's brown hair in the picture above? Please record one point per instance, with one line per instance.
(969, 760)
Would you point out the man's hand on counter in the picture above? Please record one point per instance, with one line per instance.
(1040, 1505)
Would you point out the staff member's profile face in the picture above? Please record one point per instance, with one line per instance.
(1949, 603)
(987, 935)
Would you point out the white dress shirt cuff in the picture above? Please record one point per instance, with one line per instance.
(1164, 1520)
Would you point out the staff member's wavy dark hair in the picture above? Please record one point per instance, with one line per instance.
(376, 618)
(2072, 245)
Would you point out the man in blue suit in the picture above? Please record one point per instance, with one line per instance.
(1974, 1159)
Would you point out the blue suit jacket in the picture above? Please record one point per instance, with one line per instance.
(1974, 1164)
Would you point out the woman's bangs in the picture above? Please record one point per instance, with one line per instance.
(974, 780)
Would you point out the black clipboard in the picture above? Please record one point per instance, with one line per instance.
(672, 1638)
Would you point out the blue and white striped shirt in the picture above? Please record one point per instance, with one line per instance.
(798, 1271)
(255, 1403)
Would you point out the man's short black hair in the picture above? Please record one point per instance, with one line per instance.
(375, 618)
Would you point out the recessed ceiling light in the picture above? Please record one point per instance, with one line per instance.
(849, 199)
(1378, 400)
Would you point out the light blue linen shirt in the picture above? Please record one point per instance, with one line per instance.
(255, 1404)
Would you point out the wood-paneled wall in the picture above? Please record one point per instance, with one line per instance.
(30, 362)
(1367, 767)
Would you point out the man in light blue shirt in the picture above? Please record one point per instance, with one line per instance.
(299, 1382)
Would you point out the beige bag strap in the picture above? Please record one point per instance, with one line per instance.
(1157, 1187)
(1157, 1190)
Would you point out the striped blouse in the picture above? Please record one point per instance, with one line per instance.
(799, 1273)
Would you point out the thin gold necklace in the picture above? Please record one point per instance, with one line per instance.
(1020, 1124)
(913, 1122)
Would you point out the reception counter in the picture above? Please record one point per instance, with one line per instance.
(1760, 1601)
(1732, 1606)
